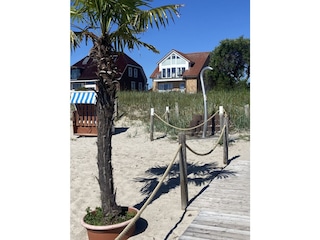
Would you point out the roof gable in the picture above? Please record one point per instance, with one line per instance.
(171, 52)
(89, 66)
(197, 61)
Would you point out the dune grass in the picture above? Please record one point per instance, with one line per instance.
(137, 105)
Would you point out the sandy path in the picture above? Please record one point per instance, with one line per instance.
(138, 165)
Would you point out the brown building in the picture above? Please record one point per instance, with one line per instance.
(178, 71)
(132, 76)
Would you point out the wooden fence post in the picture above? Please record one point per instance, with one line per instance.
(213, 124)
(167, 117)
(221, 117)
(247, 110)
(167, 114)
(225, 140)
(151, 123)
(183, 171)
(177, 109)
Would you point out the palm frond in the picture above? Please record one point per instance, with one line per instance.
(123, 20)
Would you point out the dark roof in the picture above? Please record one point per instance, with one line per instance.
(197, 60)
(90, 67)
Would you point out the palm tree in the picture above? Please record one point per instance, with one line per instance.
(112, 25)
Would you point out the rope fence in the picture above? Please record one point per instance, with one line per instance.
(137, 216)
(166, 122)
(214, 147)
(182, 163)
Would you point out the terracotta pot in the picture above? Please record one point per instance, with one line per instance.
(109, 232)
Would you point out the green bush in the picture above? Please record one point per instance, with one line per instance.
(96, 217)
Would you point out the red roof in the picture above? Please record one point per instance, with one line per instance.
(90, 67)
(198, 60)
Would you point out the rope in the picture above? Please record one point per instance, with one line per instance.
(204, 154)
(136, 217)
(185, 129)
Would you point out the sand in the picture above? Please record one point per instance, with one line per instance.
(138, 166)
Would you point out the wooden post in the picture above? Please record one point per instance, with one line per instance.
(221, 117)
(167, 114)
(151, 123)
(225, 141)
(177, 109)
(167, 117)
(183, 171)
(247, 110)
(213, 124)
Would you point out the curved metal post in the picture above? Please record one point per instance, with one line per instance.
(204, 101)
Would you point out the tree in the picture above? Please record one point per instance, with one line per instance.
(231, 64)
(112, 26)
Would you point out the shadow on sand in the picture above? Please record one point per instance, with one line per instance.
(198, 174)
(120, 130)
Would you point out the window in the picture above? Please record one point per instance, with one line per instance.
(173, 70)
(130, 71)
(168, 72)
(140, 86)
(133, 85)
(164, 73)
(165, 87)
(75, 86)
(135, 73)
(75, 73)
(181, 70)
(173, 59)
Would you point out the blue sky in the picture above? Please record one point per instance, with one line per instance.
(200, 28)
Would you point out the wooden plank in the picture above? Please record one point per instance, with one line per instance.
(90, 115)
(212, 232)
(224, 206)
(80, 113)
(210, 214)
(85, 115)
(229, 221)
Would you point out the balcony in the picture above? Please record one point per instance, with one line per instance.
(173, 77)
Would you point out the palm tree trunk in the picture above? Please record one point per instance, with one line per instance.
(106, 94)
(106, 183)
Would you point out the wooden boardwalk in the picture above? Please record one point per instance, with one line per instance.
(224, 206)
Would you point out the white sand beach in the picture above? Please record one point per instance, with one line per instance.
(138, 166)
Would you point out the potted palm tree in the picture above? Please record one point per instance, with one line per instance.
(112, 26)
